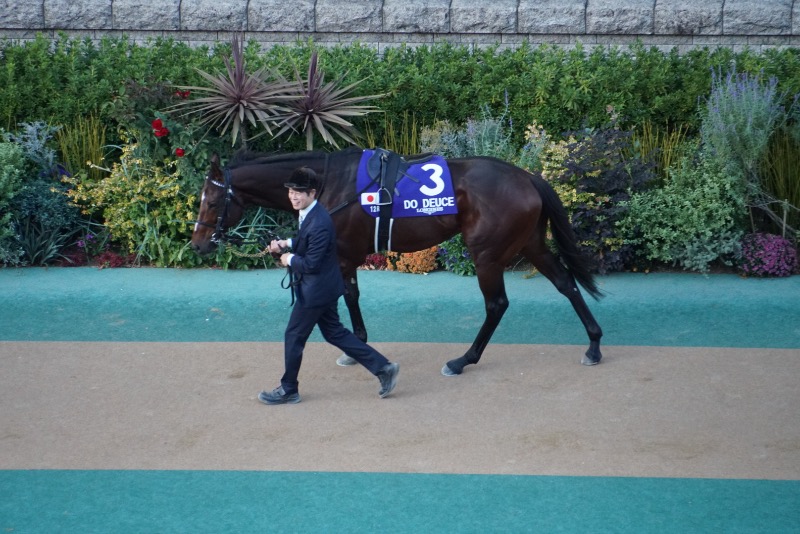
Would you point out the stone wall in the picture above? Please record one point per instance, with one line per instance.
(685, 24)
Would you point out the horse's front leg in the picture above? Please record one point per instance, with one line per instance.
(496, 301)
(351, 296)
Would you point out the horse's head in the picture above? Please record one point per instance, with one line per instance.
(219, 209)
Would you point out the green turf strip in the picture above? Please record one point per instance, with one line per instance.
(211, 501)
(87, 304)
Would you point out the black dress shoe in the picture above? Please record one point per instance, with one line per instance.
(388, 378)
(279, 396)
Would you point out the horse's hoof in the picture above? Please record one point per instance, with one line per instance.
(446, 371)
(345, 361)
(588, 360)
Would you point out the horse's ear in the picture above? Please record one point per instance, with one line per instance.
(215, 162)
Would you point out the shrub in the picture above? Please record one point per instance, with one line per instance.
(421, 262)
(42, 218)
(45, 222)
(12, 162)
(81, 142)
(453, 256)
(143, 207)
(739, 117)
(597, 178)
(34, 140)
(767, 255)
(693, 221)
(663, 146)
(782, 178)
(488, 136)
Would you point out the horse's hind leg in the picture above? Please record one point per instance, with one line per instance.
(351, 296)
(549, 265)
(493, 288)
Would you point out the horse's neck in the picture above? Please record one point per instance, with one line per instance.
(264, 191)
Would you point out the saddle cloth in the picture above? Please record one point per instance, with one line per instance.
(415, 188)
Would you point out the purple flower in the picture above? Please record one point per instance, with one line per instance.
(767, 255)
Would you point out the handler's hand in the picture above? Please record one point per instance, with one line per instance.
(276, 246)
(285, 259)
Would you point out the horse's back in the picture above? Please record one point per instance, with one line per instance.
(485, 180)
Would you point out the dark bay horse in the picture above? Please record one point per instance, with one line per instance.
(503, 211)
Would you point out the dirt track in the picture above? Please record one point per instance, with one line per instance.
(525, 409)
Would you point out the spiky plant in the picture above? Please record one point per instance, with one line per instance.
(324, 107)
(235, 99)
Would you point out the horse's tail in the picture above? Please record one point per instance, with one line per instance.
(566, 242)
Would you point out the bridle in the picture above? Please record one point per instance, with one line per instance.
(219, 235)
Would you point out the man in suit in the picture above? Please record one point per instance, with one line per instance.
(317, 283)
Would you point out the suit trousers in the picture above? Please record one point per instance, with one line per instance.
(301, 324)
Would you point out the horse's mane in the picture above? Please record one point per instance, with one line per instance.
(244, 158)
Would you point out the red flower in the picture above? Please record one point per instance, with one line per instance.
(183, 94)
(157, 124)
(180, 152)
(161, 132)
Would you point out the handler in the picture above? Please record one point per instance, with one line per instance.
(317, 283)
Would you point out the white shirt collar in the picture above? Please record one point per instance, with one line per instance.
(304, 212)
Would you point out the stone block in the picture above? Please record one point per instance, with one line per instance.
(276, 37)
(537, 39)
(718, 41)
(77, 14)
(416, 16)
(213, 15)
(796, 19)
(757, 17)
(625, 17)
(349, 15)
(146, 15)
(21, 15)
(688, 17)
(478, 16)
(552, 16)
(280, 16)
(408, 38)
(24, 35)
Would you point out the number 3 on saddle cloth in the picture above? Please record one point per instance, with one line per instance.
(392, 187)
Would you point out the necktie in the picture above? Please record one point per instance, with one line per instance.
(300, 221)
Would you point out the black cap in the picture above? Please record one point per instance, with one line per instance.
(303, 179)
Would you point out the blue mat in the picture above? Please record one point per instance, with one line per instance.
(215, 502)
(86, 304)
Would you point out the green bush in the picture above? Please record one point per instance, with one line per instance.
(558, 88)
(599, 173)
(693, 221)
(739, 117)
(42, 219)
(142, 206)
(12, 163)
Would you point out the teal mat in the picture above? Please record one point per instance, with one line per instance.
(87, 304)
(217, 502)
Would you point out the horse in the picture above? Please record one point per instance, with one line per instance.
(503, 211)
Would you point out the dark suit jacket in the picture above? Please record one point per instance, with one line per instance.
(315, 265)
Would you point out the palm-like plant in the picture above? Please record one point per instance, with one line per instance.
(236, 98)
(315, 105)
